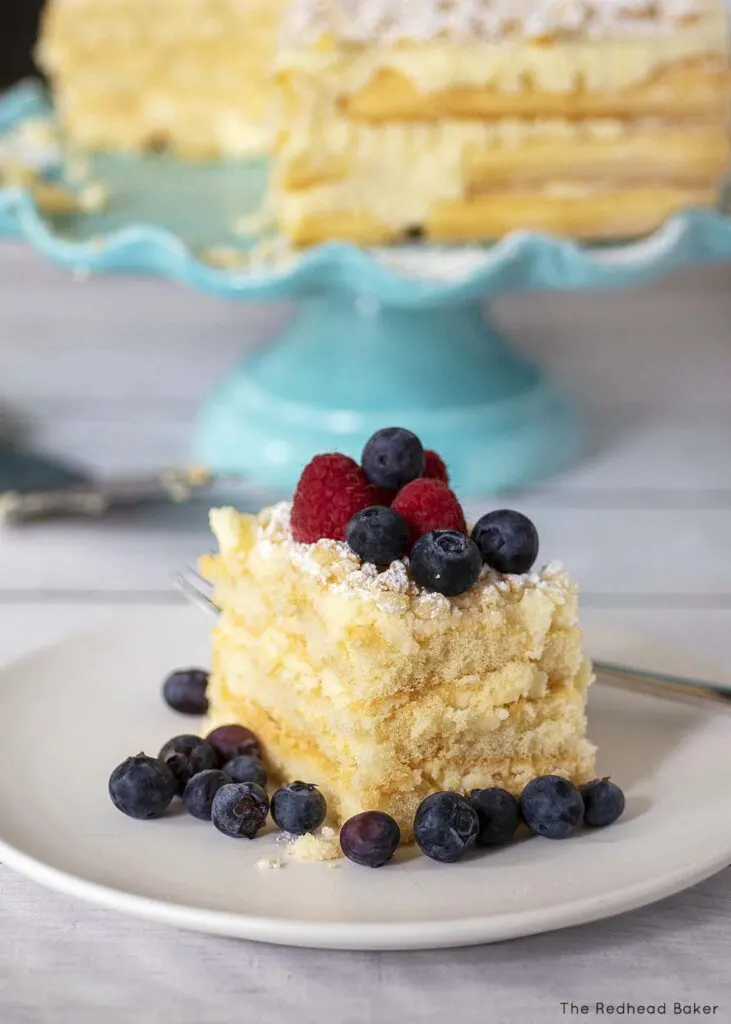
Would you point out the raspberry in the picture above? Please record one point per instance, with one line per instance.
(381, 496)
(331, 490)
(428, 505)
(435, 468)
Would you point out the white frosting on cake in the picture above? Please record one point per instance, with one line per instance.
(390, 21)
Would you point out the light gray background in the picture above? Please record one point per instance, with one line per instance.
(111, 372)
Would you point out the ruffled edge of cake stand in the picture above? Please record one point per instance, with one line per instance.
(411, 276)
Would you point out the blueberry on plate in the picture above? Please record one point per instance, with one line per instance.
(445, 827)
(370, 838)
(240, 809)
(187, 756)
(299, 808)
(229, 741)
(185, 691)
(446, 561)
(603, 803)
(392, 458)
(552, 807)
(200, 791)
(498, 813)
(508, 541)
(378, 535)
(142, 787)
(246, 768)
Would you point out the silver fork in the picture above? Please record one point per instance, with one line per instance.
(200, 593)
(197, 590)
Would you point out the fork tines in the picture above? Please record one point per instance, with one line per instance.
(197, 590)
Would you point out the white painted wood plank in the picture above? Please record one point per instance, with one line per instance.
(46, 306)
(665, 345)
(641, 555)
(634, 449)
(689, 642)
(123, 353)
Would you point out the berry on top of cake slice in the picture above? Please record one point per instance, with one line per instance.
(382, 652)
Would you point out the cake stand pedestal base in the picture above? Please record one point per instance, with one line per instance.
(348, 366)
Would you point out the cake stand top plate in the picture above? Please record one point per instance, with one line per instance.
(166, 217)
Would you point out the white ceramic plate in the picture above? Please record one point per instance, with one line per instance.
(71, 712)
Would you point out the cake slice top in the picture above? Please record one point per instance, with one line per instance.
(383, 548)
(393, 21)
(258, 545)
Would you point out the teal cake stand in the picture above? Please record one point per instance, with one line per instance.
(392, 336)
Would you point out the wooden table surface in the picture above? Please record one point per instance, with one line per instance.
(110, 372)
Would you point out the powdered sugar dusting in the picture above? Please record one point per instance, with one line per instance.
(335, 566)
(391, 21)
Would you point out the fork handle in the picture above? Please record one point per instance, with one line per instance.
(661, 685)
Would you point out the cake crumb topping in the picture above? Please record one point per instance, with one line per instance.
(335, 566)
(269, 864)
(393, 21)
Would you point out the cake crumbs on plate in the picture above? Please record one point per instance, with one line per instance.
(269, 864)
(324, 846)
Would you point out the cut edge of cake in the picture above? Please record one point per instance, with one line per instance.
(590, 119)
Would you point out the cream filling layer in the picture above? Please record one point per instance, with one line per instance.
(555, 66)
(444, 745)
(453, 725)
(291, 690)
(359, 168)
(364, 659)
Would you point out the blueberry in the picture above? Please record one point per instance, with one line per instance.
(552, 807)
(603, 803)
(229, 741)
(445, 827)
(499, 815)
(445, 561)
(142, 787)
(240, 809)
(378, 535)
(508, 541)
(246, 768)
(200, 791)
(393, 458)
(370, 838)
(186, 756)
(185, 691)
(299, 808)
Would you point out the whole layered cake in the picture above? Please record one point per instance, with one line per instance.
(191, 76)
(466, 119)
(384, 683)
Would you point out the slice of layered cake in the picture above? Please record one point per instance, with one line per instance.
(466, 119)
(378, 653)
(187, 75)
